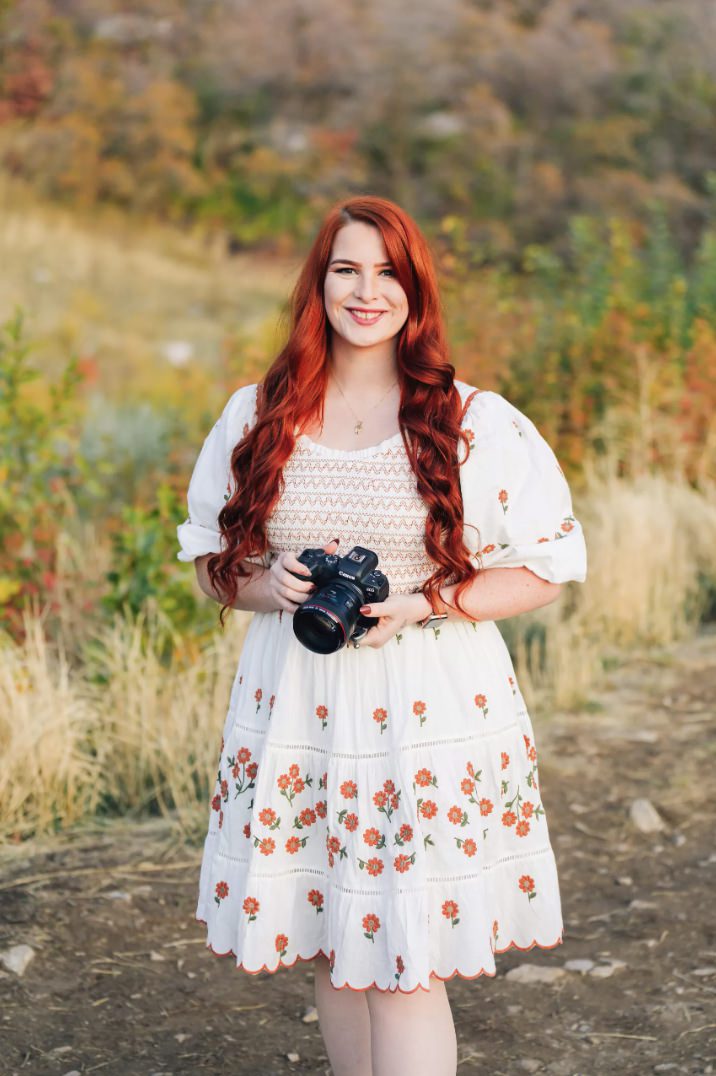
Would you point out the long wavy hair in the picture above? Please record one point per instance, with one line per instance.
(291, 396)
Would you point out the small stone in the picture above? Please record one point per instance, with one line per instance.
(293, 1057)
(17, 957)
(72, 1072)
(582, 965)
(704, 971)
(641, 905)
(645, 816)
(534, 973)
(665, 1066)
(182, 1037)
(155, 956)
(679, 839)
(311, 1015)
(603, 971)
(624, 879)
(117, 894)
(529, 1064)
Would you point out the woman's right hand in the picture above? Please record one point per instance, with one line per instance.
(285, 590)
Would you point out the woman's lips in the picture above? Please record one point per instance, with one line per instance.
(365, 319)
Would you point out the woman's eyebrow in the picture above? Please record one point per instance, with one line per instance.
(349, 262)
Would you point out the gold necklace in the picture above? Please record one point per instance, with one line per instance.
(359, 421)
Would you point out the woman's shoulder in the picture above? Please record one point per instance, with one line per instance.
(486, 410)
(240, 411)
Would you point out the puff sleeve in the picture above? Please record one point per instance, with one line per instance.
(516, 501)
(210, 482)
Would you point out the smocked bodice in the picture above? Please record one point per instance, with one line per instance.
(364, 497)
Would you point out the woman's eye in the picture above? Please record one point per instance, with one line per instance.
(350, 269)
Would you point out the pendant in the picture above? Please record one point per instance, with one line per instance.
(358, 426)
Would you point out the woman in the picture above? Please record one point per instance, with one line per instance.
(377, 809)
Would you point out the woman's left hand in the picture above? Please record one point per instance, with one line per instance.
(393, 614)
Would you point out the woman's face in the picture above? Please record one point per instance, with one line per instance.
(365, 304)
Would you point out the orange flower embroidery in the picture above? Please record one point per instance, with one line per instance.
(322, 714)
(419, 709)
(290, 784)
(468, 845)
(281, 944)
(349, 790)
(315, 897)
(371, 924)
(404, 834)
(306, 818)
(381, 716)
(251, 907)
(222, 891)
(373, 838)
(451, 911)
(386, 800)
(374, 866)
(425, 778)
(527, 885)
(268, 817)
(481, 703)
(503, 497)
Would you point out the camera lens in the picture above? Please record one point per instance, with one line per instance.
(325, 621)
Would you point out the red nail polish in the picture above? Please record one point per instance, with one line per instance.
(365, 609)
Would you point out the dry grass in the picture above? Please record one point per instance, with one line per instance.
(118, 735)
(651, 545)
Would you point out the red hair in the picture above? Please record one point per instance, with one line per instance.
(291, 395)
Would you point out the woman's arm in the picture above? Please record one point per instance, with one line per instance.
(495, 594)
(253, 595)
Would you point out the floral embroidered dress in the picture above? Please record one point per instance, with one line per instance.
(382, 806)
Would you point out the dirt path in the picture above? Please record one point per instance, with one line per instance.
(121, 982)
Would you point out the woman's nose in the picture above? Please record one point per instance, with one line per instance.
(366, 288)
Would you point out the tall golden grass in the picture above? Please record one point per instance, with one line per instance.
(126, 733)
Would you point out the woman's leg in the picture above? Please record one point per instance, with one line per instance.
(344, 1022)
(412, 1033)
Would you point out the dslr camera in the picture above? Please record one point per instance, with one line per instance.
(330, 616)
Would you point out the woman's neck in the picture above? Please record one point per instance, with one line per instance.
(357, 369)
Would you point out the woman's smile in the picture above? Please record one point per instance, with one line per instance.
(365, 317)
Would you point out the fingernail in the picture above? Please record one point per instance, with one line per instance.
(365, 608)
(336, 540)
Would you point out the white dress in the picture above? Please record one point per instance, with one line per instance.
(382, 806)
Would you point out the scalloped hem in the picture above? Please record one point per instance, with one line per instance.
(374, 986)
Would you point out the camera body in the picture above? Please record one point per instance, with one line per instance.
(331, 617)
